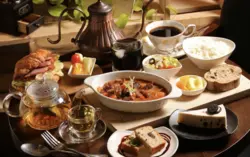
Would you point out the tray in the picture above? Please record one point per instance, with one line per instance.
(122, 121)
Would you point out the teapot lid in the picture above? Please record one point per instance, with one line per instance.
(42, 89)
(99, 7)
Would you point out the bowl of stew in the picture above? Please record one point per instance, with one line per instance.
(132, 91)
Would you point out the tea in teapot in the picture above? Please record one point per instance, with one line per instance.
(43, 106)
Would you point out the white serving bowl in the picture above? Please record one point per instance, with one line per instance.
(207, 64)
(192, 92)
(165, 73)
(132, 106)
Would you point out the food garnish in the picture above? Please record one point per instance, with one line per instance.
(76, 58)
(135, 142)
(213, 109)
(130, 85)
(151, 61)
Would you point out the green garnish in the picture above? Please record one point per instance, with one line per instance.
(134, 142)
(130, 85)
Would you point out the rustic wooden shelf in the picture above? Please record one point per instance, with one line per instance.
(69, 29)
(187, 6)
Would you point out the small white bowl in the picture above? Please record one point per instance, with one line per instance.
(207, 64)
(82, 76)
(192, 92)
(165, 73)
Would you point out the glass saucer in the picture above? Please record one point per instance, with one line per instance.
(66, 133)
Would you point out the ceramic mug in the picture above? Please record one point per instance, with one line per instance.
(169, 43)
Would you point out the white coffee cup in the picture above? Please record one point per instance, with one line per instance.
(171, 42)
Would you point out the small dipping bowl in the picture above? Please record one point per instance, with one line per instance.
(192, 92)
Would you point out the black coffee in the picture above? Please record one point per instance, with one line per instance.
(165, 31)
(127, 54)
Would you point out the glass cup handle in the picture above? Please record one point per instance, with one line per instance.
(98, 113)
(6, 104)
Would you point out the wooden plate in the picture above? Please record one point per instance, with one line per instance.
(72, 85)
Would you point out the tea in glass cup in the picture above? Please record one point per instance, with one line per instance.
(82, 120)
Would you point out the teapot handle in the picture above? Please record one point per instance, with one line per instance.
(74, 40)
(144, 8)
(6, 104)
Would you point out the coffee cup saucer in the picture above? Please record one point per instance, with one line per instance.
(149, 49)
(65, 132)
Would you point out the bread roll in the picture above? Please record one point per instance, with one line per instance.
(223, 78)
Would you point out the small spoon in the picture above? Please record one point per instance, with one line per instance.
(40, 150)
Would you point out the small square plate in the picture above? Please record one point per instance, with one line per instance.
(82, 76)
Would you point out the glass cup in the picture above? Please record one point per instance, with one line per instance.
(127, 54)
(82, 120)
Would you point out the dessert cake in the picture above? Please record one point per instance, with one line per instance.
(213, 117)
(150, 138)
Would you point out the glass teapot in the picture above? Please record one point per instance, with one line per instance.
(43, 106)
(97, 38)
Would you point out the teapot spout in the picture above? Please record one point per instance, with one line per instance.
(59, 29)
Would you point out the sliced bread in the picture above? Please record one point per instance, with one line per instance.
(150, 138)
(131, 145)
(223, 78)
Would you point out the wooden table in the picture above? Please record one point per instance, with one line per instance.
(200, 149)
(187, 148)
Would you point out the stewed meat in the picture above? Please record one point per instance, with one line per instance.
(132, 90)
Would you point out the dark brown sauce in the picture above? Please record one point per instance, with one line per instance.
(166, 137)
(165, 31)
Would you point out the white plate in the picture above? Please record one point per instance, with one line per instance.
(82, 76)
(116, 137)
(149, 49)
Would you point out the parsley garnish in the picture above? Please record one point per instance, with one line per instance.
(130, 85)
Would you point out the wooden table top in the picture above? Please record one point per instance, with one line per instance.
(188, 148)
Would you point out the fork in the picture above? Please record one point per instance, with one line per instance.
(57, 145)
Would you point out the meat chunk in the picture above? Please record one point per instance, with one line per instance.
(119, 81)
(147, 86)
(145, 94)
(37, 71)
(136, 85)
(45, 64)
(128, 98)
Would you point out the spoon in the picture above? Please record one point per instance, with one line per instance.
(40, 150)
